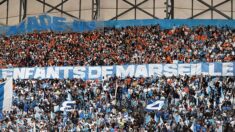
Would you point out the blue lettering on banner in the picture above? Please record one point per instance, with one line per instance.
(58, 24)
(45, 22)
(21, 28)
(33, 24)
(123, 71)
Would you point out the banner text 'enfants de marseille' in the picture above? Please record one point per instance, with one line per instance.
(99, 72)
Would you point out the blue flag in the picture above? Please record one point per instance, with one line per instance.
(147, 119)
(156, 118)
(1, 116)
(177, 118)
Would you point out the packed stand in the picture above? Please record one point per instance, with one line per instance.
(199, 103)
(135, 45)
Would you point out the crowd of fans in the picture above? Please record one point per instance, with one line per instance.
(199, 103)
(195, 103)
(149, 44)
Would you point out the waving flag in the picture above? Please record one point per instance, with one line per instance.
(156, 118)
(221, 95)
(193, 128)
(177, 118)
(1, 116)
(147, 119)
(161, 121)
(6, 93)
(157, 105)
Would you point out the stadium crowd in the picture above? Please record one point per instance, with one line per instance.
(199, 103)
(135, 45)
(195, 103)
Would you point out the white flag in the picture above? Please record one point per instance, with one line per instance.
(6, 94)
